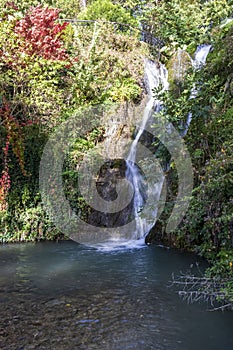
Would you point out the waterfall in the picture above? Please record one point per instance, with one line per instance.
(201, 55)
(145, 207)
(198, 62)
(155, 76)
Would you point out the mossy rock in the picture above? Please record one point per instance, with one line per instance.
(177, 66)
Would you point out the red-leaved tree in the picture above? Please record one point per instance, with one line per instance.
(42, 34)
(35, 37)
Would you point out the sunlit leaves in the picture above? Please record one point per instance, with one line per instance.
(41, 33)
(188, 23)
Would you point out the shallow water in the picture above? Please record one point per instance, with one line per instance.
(67, 296)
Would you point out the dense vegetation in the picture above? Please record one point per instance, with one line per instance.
(207, 228)
(50, 69)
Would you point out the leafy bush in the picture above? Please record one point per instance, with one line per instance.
(182, 24)
(48, 72)
(207, 227)
(106, 10)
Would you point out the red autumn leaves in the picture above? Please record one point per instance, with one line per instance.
(5, 181)
(41, 34)
(37, 34)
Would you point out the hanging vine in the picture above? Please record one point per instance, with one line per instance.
(15, 138)
(5, 181)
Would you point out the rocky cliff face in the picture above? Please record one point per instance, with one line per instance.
(119, 125)
(177, 66)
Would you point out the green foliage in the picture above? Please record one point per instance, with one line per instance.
(29, 224)
(109, 65)
(207, 227)
(102, 66)
(106, 10)
(69, 8)
(24, 212)
(71, 176)
(223, 267)
(187, 24)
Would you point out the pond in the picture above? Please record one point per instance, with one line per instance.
(67, 296)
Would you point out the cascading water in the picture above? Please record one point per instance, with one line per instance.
(199, 61)
(155, 76)
(201, 55)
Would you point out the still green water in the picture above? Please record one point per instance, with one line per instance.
(67, 296)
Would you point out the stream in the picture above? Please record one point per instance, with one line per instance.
(67, 296)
